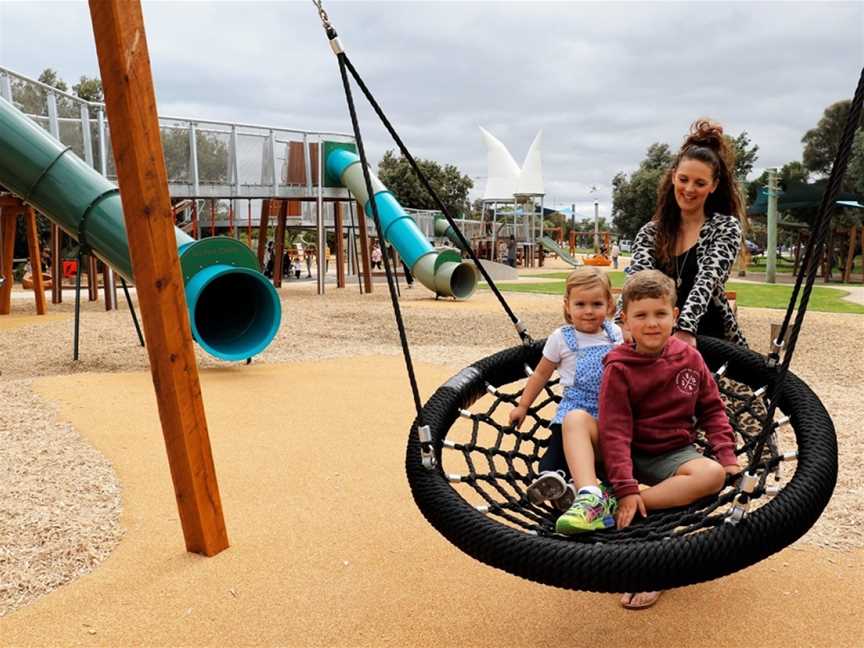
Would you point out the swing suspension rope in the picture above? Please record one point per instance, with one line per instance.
(761, 416)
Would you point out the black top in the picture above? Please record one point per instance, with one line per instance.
(687, 265)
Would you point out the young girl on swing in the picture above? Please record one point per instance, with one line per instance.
(576, 350)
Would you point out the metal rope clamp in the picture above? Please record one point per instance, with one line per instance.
(741, 503)
(427, 454)
(774, 355)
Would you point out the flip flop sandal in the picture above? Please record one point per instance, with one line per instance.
(548, 486)
(641, 606)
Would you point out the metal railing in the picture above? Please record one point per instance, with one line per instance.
(204, 158)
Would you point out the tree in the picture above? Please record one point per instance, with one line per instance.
(634, 198)
(745, 157)
(449, 183)
(213, 157)
(822, 143)
(89, 90)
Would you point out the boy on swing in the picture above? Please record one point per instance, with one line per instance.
(655, 390)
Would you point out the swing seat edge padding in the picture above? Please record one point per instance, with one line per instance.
(643, 565)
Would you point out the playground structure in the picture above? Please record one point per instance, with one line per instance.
(224, 173)
(234, 311)
(442, 272)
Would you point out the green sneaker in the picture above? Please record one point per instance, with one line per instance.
(588, 513)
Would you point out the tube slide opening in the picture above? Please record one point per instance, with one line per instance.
(463, 281)
(235, 311)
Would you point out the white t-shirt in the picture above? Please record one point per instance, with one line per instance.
(557, 351)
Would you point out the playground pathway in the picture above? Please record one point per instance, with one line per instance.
(329, 550)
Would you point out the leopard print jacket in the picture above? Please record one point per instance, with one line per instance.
(716, 250)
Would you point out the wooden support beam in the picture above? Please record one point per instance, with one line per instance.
(196, 230)
(110, 287)
(35, 258)
(850, 256)
(8, 223)
(263, 226)
(56, 264)
(279, 246)
(340, 245)
(366, 265)
(124, 64)
(92, 278)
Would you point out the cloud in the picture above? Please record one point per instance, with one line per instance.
(603, 80)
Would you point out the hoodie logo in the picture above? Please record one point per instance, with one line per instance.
(687, 381)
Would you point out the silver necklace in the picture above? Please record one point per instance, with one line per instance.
(683, 265)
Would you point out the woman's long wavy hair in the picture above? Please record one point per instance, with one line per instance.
(705, 143)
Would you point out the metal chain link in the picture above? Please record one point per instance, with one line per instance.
(322, 14)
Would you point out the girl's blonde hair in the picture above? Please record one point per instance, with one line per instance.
(588, 277)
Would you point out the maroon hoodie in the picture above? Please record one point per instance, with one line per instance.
(648, 403)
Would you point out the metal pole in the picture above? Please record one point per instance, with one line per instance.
(193, 157)
(53, 122)
(273, 168)
(235, 140)
(771, 245)
(103, 150)
(492, 251)
(132, 310)
(6, 87)
(596, 226)
(86, 137)
(322, 233)
(77, 306)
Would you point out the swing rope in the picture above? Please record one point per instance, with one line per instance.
(344, 61)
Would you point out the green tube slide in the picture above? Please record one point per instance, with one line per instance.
(443, 228)
(234, 311)
(444, 272)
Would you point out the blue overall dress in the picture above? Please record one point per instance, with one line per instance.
(583, 394)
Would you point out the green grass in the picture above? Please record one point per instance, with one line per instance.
(824, 300)
(616, 277)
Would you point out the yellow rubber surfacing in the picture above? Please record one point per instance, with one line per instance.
(328, 548)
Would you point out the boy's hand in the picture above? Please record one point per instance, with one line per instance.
(627, 507)
(732, 469)
(517, 416)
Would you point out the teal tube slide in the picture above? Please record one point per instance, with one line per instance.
(234, 311)
(443, 272)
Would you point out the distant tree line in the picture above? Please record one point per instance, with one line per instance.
(634, 197)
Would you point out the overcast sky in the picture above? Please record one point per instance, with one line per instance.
(603, 80)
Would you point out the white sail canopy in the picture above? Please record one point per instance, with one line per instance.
(531, 176)
(504, 178)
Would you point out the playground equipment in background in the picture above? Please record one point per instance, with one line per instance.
(548, 244)
(443, 272)
(234, 311)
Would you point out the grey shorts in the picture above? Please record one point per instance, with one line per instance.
(652, 469)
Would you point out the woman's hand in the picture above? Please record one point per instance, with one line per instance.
(686, 337)
(627, 507)
(517, 415)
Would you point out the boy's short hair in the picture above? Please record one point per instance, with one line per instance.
(648, 284)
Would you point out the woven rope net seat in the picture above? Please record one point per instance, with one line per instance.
(474, 494)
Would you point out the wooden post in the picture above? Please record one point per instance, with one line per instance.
(8, 223)
(110, 290)
(850, 257)
(35, 259)
(92, 278)
(279, 246)
(262, 232)
(196, 232)
(56, 264)
(124, 64)
(340, 245)
(364, 249)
